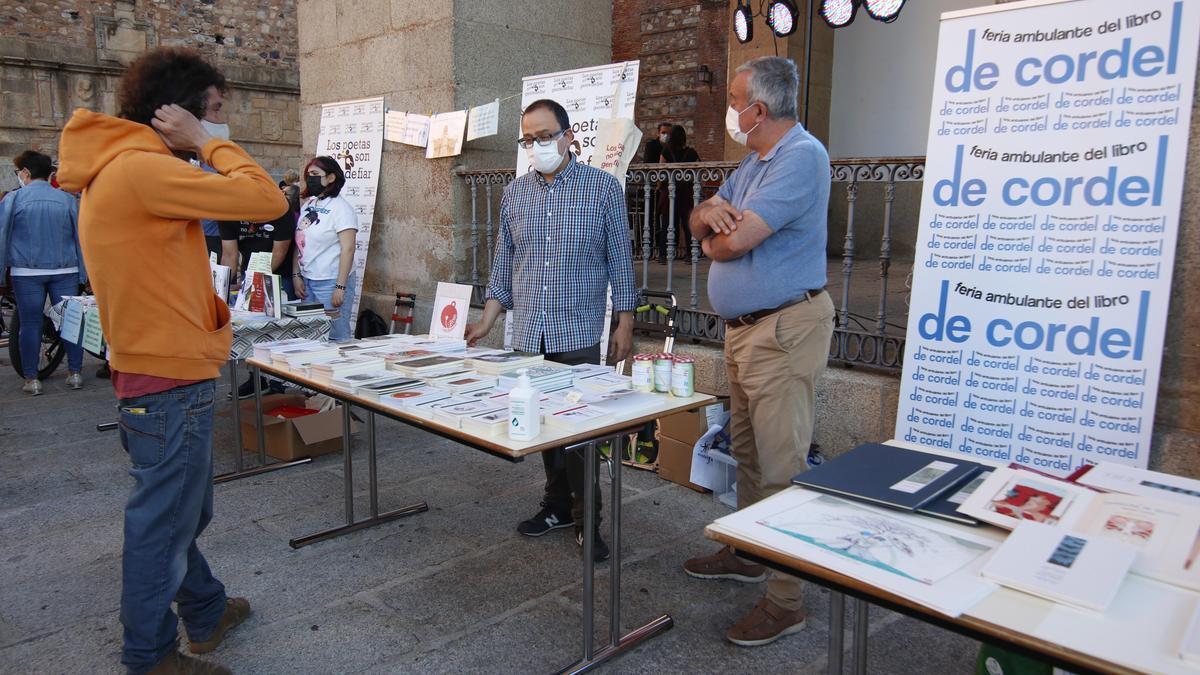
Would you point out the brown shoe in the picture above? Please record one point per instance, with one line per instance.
(236, 611)
(177, 663)
(766, 623)
(725, 565)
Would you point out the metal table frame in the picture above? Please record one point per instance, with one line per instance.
(239, 470)
(592, 657)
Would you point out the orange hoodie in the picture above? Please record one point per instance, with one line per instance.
(144, 247)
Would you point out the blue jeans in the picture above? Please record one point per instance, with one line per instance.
(321, 290)
(31, 293)
(169, 440)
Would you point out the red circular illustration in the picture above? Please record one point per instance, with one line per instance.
(449, 316)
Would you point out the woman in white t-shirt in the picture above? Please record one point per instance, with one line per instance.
(325, 244)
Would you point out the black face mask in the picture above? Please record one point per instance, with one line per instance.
(314, 185)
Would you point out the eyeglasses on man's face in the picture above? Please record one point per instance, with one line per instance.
(543, 140)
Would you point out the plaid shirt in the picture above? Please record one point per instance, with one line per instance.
(559, 246)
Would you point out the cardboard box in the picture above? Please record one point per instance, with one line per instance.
(688, 427)
(675, 462)
(288, 439)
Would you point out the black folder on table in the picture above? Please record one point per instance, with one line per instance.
(895, 477)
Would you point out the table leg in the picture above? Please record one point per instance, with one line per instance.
(347, 464)
(239, 470)
(618, 643)
(376, 517)
(837, 629)
(238, 460)
(861, 626)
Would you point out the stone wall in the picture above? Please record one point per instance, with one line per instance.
(435, 56)
(673, 39)
(58, 56)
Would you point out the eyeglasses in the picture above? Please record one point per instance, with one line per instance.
(544, 140)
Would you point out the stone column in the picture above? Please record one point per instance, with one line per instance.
(435, 56)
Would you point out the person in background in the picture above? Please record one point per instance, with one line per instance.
(323, 270)
(168, 333)
(217, 126)
(676, 151)
(563, 240)
(765, 231)
(656, 145)
(278, 238)
(39, 249)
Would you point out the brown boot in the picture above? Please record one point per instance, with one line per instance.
(236, 611)
(177, 663)
(766, 623)
(725, 565)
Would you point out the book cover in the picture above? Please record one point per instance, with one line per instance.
(1009, 497)
(890, 476)
(1061, 564)
(272, 296)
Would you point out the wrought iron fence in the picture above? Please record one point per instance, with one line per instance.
(657, 195)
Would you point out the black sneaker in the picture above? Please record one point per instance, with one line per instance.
(546, 520)
(246, 390)
(600, 551)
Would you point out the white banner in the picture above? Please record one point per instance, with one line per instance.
(352, 133)
(588, 94)
(1049, 215)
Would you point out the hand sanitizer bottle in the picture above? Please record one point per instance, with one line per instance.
(524, 418)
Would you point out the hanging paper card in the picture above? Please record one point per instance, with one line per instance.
(446, 134)
(416, 130)
(484, 120)
(393, 126)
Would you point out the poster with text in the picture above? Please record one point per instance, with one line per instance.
(352, 133)
(1057, 144)
(588, 94)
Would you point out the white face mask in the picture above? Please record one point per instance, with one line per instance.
(545, 159)
(664, 138)
(734, 126)
(216, 130)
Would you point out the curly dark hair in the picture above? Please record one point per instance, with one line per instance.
(164, 76)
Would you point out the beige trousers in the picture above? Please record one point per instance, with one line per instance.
(773, 368)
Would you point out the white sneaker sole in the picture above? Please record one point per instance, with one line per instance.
(794, 628)
(547, 531)
(730, 576)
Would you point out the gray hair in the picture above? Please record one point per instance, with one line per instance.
(774, 81)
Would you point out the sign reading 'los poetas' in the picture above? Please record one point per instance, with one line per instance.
(1049, 214)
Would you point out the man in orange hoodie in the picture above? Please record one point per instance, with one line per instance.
(168, 333)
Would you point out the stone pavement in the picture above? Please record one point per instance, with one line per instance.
(455, 589)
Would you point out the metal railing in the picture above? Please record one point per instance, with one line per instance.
(654, 194)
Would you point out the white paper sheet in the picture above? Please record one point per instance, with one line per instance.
(484, 120)
(446, 134)
(416, 130)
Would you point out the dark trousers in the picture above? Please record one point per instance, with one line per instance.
(565, 468)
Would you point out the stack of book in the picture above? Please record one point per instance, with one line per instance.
(353, 381)
(376, 391)
(493, 423)
(425, 365)
(898, 478)
(303, 355)
(441, 345)
(462, 383)
(409, 399)
(586, 370)
(262, 350)
(604, 383)
(325, 372)
(498, 364)
(303, 309)
(453, 411)
(575, 417)
(546, 377)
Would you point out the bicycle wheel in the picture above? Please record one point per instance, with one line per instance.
(50, 352)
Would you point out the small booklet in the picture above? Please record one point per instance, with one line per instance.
(891, 476)
(1066, 566)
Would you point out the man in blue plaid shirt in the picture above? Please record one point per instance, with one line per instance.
(563, 240)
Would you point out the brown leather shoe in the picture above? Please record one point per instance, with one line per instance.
(725, 565)
(766, 623)
(177, 663)
(236, 611)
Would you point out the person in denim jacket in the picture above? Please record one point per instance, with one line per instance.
(39, 249)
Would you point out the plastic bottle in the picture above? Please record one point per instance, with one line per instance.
(524, 418)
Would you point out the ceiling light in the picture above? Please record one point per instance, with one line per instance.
(743, 27)
(781, 17)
